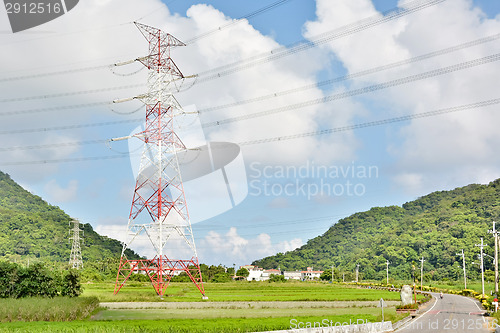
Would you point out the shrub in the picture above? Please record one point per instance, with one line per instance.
(37, 281)
(277, 278)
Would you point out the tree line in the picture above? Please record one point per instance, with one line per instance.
(36, 280)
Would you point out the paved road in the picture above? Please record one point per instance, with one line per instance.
(453, 313)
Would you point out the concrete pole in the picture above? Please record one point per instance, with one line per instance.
(387, 271)
(463, 263)
(481, 246)
(495, 239)
(421, 272)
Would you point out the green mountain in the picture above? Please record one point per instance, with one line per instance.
(31, 228)
(436, 226)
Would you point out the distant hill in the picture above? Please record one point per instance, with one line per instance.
(436, 226)
(31, 228)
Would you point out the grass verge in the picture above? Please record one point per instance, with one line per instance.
(47, 309)
(219, 325)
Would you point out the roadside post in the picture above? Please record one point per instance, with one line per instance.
(382, 305)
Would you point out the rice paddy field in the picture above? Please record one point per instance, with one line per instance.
(239, 291)
(231, 307)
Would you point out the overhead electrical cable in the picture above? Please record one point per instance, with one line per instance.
(355, 92)
(53, 145)
(190, 41)
(386, 121)
(68, 127)
(72, 93)
(66, 160)
(294, 90)
(358, 74)
(376, 123)
(236, 21)
(54, 108)
(68, 71)
(258, 225)
(351, 93)
(301, 45)
(305, 44)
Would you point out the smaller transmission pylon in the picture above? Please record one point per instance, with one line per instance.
(75, 258)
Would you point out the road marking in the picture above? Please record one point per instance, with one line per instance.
(423, 314)
(484, 320)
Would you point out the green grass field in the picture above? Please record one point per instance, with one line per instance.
(219, 325)
(238, 291)
(222, 315)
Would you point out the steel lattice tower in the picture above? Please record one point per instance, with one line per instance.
(159, 206)
(75, 258)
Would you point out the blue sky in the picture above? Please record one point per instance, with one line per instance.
(45, 145)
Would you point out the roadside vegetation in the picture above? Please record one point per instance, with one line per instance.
(47, 309)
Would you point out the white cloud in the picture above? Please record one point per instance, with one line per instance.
(59, 194)
(233, 248)
(71, 42)
(437, 152)
(214, 248)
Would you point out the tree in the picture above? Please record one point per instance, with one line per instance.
(243, 272)
(326, 275)
(222, 277)
(276, 278)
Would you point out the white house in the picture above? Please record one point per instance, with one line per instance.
(293, 275)
(268, 272)
(310, 274)
(255, 274)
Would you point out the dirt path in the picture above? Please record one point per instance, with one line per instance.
(241, 305)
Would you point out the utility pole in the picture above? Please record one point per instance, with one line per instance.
(332, 273)
(495, 239)
(75, 258)
(463, 262)
(421, 272)
(387, 270)
(357, 273)
(482, 265)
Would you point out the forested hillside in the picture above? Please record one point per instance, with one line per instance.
(436, 226)
(31, 228)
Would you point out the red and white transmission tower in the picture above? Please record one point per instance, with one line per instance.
(159, 206)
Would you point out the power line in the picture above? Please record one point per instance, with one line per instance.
(68, 127)
(53, 145)
(305, 44)
(300, 135)
(294, 90)
(281, 51)
(289, 222)
(73, 93)
(376, 123)
(55, 108)
(238, 20)
(351, 93)
(358, 74)
(355, 92)
(65, 160)
(190, 41)
(69, 71)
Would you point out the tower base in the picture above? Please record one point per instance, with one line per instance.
(160, 271)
